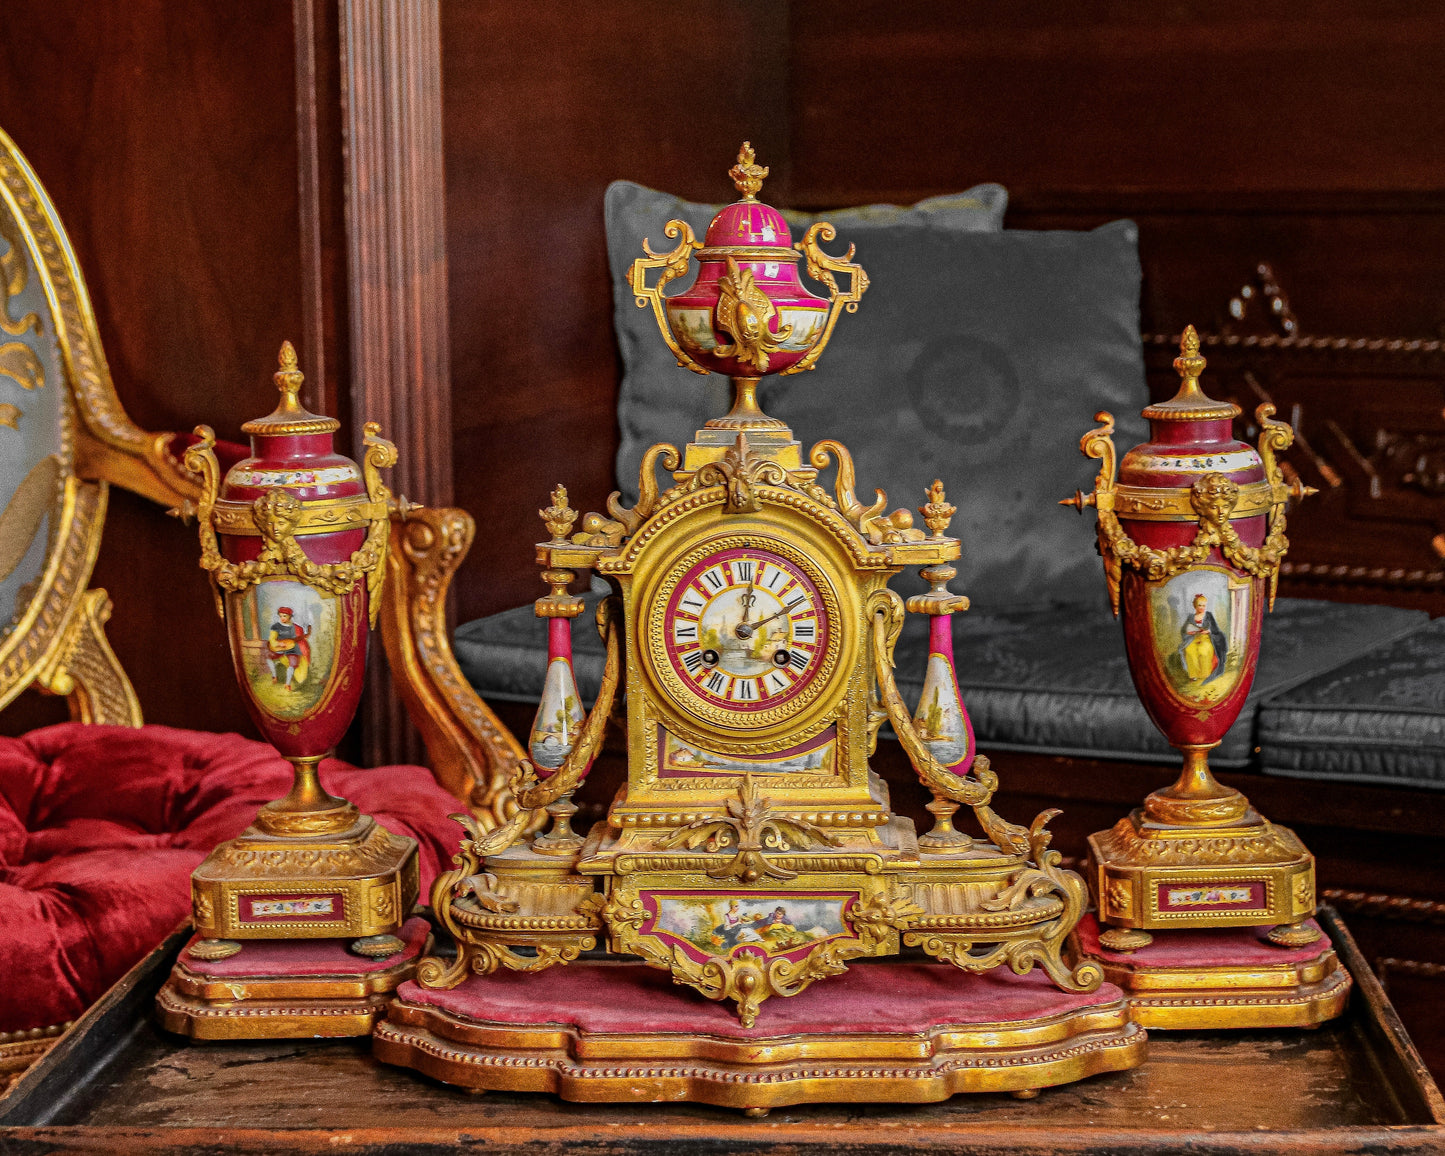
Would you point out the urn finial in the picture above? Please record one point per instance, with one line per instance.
(747, 176)
(938, 511)
(1189, 363)
(290, 417)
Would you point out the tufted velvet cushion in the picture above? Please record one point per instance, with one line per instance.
(977, 357)
(1051, 680)
(101, 827)
(1378, 719)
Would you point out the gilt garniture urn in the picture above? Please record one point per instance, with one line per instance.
(1191, 530)
(294, 539)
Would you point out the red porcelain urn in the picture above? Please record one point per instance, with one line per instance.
(748, 313)
(295, 541)
(1192, 533)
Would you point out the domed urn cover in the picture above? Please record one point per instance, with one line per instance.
(747, 314)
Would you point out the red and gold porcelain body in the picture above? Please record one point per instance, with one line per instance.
(1192, 534)
(294, 539)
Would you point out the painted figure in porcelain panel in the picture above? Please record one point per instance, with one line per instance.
(1200, 622)
(776, 924)
(290, 636)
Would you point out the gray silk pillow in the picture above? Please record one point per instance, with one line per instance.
(978, 357)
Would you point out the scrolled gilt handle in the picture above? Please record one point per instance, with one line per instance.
(276, 514)
(200, 458)
(380, 455)
(885, 610)
(673, 265)
(821, 267)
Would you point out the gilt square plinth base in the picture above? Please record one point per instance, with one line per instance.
(602, 1030)
(1150, 875)
(357, 882)
(286, 989)
(1222, 978)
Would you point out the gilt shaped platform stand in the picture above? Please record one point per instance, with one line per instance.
(753, 857)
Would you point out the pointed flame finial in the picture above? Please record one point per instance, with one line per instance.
(559, 516)
(288, 378)
(290, 416)
(1189, 364)
(747, 176)
(938, 512)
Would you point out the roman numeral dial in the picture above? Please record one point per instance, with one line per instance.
(745, 629)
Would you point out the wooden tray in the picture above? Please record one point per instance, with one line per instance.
(117, 1083)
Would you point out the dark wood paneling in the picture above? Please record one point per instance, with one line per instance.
(910, 97)
(544, 105)
(165, 132)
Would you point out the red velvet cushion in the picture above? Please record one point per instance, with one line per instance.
(101, 827)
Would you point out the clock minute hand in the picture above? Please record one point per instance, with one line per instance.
(745, 631)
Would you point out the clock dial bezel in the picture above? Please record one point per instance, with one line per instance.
(662, 651)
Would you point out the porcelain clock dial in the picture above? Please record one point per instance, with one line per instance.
(745, 630)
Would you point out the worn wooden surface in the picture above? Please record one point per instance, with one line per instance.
(1351, 1086)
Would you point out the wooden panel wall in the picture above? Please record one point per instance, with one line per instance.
(165, 132)
(544, 105)
(1233, 133)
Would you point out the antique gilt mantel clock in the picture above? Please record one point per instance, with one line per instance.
(752, 852)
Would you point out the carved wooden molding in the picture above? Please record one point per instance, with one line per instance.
(1394, 907)
(397, 273)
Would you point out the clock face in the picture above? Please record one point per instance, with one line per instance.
(744, 630)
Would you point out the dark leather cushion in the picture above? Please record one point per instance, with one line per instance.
(1052, 681)
(975, 357)
(101, 827)
(1377, 719)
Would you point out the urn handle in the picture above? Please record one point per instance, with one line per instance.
(673, 265)
(278, 515)
(821, 266)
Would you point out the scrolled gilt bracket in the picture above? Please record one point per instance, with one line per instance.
(1043, 945)
(821, 267)
(277, 515)
(673, 265)
(630, 517)
(870, 521)
(484, 956)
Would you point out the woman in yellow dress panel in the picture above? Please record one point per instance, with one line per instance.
(1202, 645)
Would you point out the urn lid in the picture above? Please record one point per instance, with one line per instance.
(748, 222)
(1191, 403)
(290, 418)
